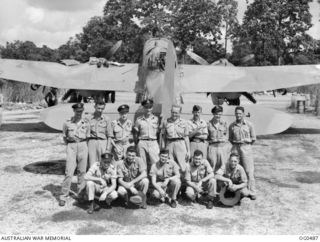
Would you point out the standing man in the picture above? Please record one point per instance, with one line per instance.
(175, 134)
(75, 133)
(217, 138)
(198, 132)
(145, 134)
(101, 180)
(100, 133)
(242, 136)
(132, 173)
(165, 178)
(121, 133)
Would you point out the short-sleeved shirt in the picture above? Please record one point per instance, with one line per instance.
(175, 129)
(237, 175)
(107, 175)
(100, 127)
(164, 171)
(147, 128)
(196, 173)
(130, 171)
(75, 132)
(121, 131)
(241, 132)
(217, 131)
(193, 125)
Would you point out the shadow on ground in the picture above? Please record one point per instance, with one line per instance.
(54, 189)
(53, 167)
(277, 183)
(309, 177)
(28, 127)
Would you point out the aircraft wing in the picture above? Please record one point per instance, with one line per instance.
(83, 76)
(199, 78)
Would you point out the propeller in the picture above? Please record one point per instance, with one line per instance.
(247, 58)
(202, 61)
(114, 49)
(197, 58)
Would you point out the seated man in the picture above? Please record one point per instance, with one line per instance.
(234, 176)
(165, 177)
(199, 178)
(101, 179)
(132, 173)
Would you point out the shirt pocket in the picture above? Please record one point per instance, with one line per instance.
(181, 129)
(117, 132)
(170, 129)
(134, 171)
(71, 131)
(82, 131)
(154, 124)
(245, 132)
(169, 172)
(202, 172)
(222, 132)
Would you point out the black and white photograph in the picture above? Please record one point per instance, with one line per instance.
(159, 117)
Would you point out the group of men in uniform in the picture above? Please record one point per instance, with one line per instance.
(121, 159)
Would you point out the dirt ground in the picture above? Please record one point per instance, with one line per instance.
(31, 171)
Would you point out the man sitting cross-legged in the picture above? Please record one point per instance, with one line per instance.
(101, 180)
(132, 173)
(200, 178)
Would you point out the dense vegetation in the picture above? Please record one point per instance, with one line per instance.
(274, 31)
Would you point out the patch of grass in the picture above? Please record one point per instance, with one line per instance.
(13, 169)
(90, 229)
(122, 216)
(207, 222)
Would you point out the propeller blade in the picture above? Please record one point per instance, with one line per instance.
(197, 58)
(114, 48)
(247, 58)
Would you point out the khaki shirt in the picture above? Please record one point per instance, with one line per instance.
(237, 176)
(196, 173)
(96, 171)
(100, 127)
(75, 132)
(175, 129)
(241, 132)
(217, 131)
(131, 171)
(147, 128)
(193, 125)
(121, 132)
(164, 171)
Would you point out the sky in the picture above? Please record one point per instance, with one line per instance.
(53, 22)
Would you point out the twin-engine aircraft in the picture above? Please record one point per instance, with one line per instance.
(160, 77)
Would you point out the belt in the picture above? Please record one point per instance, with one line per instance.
(121, 142)
(244, 143)
(70, 142)
(176, 139)
(216, 142)
(197, 140)
(96, 138)
(148, 139)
